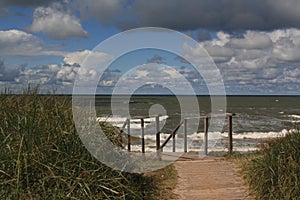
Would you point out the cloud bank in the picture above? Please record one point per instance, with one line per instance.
(194, 14)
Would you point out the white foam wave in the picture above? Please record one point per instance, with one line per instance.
(163, 136)
(218, 135)
(293, 121)
(240, 146)
(260, 135)
(246, 135)
(134, 123)
(294, 116)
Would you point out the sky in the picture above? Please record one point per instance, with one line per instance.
(254, 44)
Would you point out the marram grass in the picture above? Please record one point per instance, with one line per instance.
(42, 157)
(274, 173)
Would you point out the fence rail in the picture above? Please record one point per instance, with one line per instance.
(184, 122)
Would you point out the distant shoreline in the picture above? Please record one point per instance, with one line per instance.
(156, 95)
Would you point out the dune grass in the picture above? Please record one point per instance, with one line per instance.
(42, 157)
(274, 172)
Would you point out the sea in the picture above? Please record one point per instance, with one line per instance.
(256, 120)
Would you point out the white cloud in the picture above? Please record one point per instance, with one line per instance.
(253, 64)
(222, 39)
(286, 45)
(270, 73)
(260, 61)
(89, 58)
(251, 40)
(155, 76)
(278, 34)
(255, 48)
(60, 77)
(196, 54)
(19, 43)
(56, 22)
(141, 74)
(287, 54)
(172, 73)
(16, 42)
(220, 54)
(107, 83)
(53, 67)
(66, 73)
(295, 73)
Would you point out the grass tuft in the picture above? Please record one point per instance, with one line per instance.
(42, 156)
(274, 172)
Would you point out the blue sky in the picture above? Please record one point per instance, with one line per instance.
(255, 45)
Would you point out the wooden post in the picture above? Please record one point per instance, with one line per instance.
(205, 139)
(230, 143)
(128, 135)
(143, 139)
(174, 142)
(157, 134)
(185, 135)
(122, 129)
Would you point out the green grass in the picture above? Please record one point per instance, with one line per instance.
(42, 157)
(274, 172)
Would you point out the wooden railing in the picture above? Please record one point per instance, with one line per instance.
(172, 135)
(142, 118)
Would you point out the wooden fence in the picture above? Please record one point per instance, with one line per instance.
(172, 135)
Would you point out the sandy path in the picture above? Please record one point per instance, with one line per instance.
(209, 178)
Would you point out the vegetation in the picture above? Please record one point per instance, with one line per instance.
(42, 157)
(274, 172)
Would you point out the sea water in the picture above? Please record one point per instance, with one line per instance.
(258, 118)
